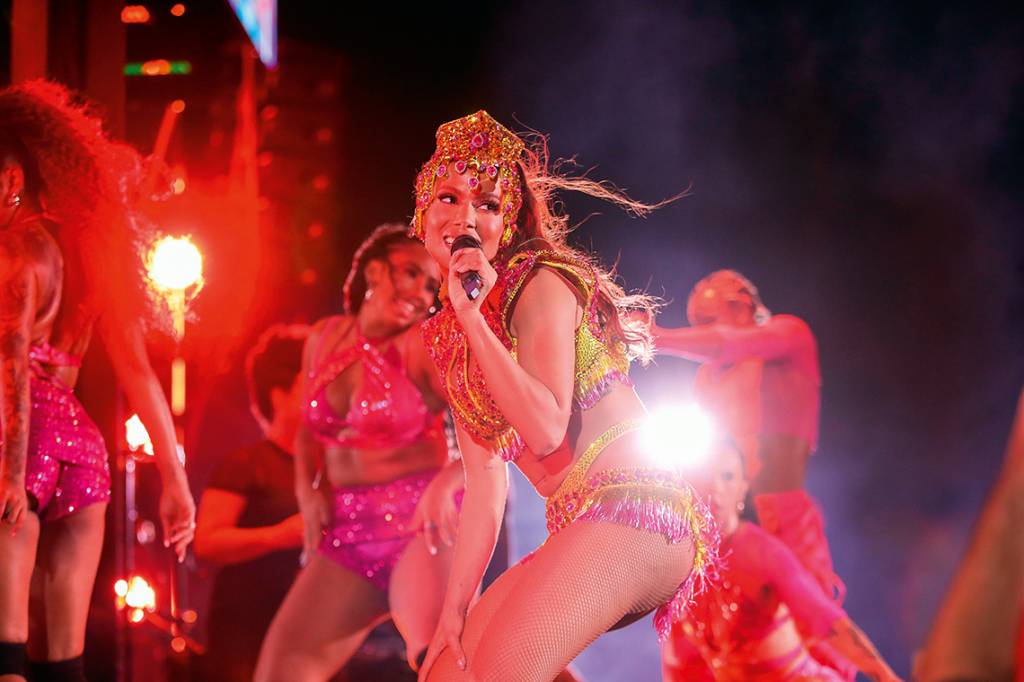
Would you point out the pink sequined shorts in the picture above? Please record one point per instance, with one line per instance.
(67, 465)
(371, 526)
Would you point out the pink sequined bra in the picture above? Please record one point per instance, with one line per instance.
(386, 410)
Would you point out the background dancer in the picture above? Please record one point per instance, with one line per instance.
(249, 522)
(373, 478)
(69, 265)
(768, 610)
(761, 381)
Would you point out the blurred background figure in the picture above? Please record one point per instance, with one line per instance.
(767, 611)
(249, 522)
(761, 382)
(69, 267)
(978, 624)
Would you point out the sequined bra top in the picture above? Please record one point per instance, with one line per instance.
(386, 410)
(599, 364)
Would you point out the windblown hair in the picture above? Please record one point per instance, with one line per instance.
(542, 225)
(376, 247)
(83, 181)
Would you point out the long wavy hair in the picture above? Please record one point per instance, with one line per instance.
(83, 181)
(541, 224)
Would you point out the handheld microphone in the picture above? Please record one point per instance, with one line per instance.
(472, 283)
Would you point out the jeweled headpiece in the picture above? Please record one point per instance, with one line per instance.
(484, 149)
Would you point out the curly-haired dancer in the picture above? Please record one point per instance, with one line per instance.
(69, 265)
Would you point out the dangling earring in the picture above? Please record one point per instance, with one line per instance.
(506, 236)
(14, 200)
(368, 295)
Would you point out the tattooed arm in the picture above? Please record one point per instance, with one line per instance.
(17, 306)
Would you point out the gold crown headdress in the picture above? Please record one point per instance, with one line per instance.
(483, 148)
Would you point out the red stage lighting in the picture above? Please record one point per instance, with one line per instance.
(134, 14)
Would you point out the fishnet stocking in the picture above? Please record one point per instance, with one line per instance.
(582, 582)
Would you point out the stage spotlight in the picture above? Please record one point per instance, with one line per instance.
(136, 436)
(679, 437)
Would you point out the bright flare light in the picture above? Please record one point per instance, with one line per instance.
(141, 594)
(174, 263)
(136, 435)
(136, 595)
(175, 269)
(679, 437)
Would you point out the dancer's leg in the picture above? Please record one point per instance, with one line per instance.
(65, 572)
(416, 593)
(325, 617)
(17, 557)
(579, 584)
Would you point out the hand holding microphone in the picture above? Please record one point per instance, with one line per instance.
(472, 283)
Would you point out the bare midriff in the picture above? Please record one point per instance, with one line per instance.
(619, 404)
(350, 467)
(783, 460)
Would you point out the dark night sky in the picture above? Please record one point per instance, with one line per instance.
(859, 163)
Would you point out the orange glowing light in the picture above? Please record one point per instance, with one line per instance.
(137, 615)
(137, 438)
(174, 263)
(189, 616)
(178, 186)
(156, 67)
(178, 645)
(140, 594)
(175, 269)
(178, 386)
(134, 14)
(121, 587)
(178, 106)
(178, 9)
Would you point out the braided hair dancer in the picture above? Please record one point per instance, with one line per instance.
(377, 529)
(536, 372)
(69, 265)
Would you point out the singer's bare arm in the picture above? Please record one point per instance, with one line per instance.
(534, 389)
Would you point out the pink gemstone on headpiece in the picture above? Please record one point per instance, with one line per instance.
(424, 199)
(474, 183)
(442, 170)
(504, 183)
(479, 140)
(461, 166)
(492, 171)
